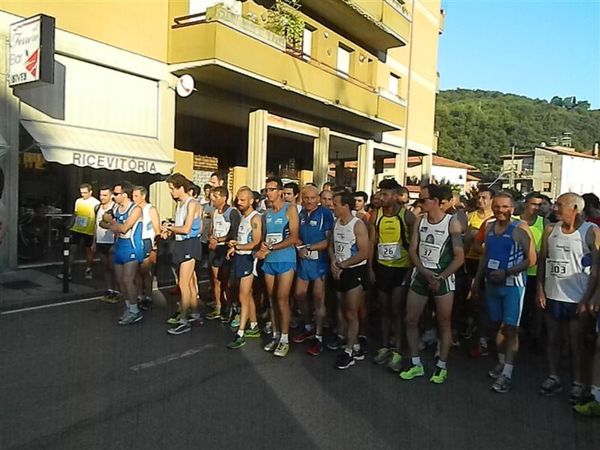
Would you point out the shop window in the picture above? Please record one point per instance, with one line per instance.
(343, 60)
(307, 41)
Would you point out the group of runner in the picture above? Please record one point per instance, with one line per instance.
(321, 254)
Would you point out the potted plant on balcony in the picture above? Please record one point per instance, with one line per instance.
(283, 19)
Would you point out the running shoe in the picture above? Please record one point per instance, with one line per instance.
(304, 336)
(316, 347)
(145, 304)
(395, 363)
(252, 332)
(282, 349)
(578, 392)
(235, 323)
(130, 318)
(590, 409)
(337, 343)
(358, 355)
(364, 344)
(174, 319)
(214, 314)
(112, 298)
(550, 386)
(237, 342)
(195, 319)
(106, 296)
(413, 372)
(502, 384)
(382, 356)
(439, 376)
(268, 328)
(344, 360)
(182, 327)
(479, 351)
(271, 346)
(227, 315)
(88, 274)
(496, 371)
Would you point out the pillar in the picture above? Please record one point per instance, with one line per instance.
(400, 167)
(426, 166)
(257, 149)
(364, 175)
(321, 157)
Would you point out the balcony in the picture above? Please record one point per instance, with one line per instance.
(377, 25)
(227, 52)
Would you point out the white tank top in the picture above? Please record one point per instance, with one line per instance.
(434, 243)
(568, 264)
(221, 225)
(180, 215)
(104, 236)
(147, 227)
(244, 235)
(344, 241)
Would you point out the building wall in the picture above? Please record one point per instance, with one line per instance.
(139, 26)
(441, 174)
(579, 175)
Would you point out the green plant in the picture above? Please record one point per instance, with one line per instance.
(283, 19)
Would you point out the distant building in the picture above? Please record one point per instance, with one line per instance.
(552, 170)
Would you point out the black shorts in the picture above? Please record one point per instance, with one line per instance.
(81, 239)
(103, 249)
(562, 311)
(471, 266)
(389, 278)
(147, 247)
(351, 278)
(216, 257)
(186, 250)
(243, 266)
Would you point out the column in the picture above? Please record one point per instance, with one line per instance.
(364, 175)
(257, 149)
(321, 157)
(400, 167)
(426, 166)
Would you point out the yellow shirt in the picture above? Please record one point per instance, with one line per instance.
(474, 223)
(85, 216)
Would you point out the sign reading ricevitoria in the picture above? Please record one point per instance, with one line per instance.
(31, 56)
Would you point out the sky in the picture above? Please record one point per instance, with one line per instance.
(528, 47)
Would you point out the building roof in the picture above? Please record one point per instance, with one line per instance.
(567, 151)
(443, 162)
(472, 178)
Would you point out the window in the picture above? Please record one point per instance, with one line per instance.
(307, 35)
(548, 167)
(343, 59)
(547, 187)
(394, 84)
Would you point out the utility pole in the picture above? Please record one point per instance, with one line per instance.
(511, 176)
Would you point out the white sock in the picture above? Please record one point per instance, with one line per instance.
(253, 325)
(441, 364)
(596, 392)
(348, 351)
(284, 338)
(276, 335)
(240, 333)
(356, 347)
(319, 338)
(416, 361)
(501, 358)
(507, 371)
(483, 342)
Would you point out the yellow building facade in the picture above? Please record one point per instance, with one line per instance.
(360, 84)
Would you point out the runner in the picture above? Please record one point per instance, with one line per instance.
(360, 203)
(103, 243)
(187, 250)
(291, 194)
(592, 406)
(225, 223)
(436, 250)
(249, 235)
(507, 253)
(326, 198)
(316, 223)
(389, 268)
(150, 229)
(478, 326)
(129, 249)
(567, 279)
(82, 230)
(277, 250)
(207, 211)
(348, 254)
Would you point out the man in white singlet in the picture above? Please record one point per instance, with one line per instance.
(103, 242)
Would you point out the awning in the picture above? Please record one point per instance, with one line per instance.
(85, 147)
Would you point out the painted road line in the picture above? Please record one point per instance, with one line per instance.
(171, 357)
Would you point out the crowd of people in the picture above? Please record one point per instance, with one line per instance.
(329, 263)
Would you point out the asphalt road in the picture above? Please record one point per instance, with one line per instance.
(71, 378)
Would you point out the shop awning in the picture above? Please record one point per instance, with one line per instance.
(85, 147)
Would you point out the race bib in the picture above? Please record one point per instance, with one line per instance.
(493, 264)
(273, 238)
(81, 222)
(313, 254)
(342, 251)
(389, 252)
(429, 254)
(557, 268)
(221, 228)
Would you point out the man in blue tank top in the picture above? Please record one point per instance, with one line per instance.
(279, 254)
(507, 254)
(129, 250)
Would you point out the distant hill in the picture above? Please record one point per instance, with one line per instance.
(476, 127)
